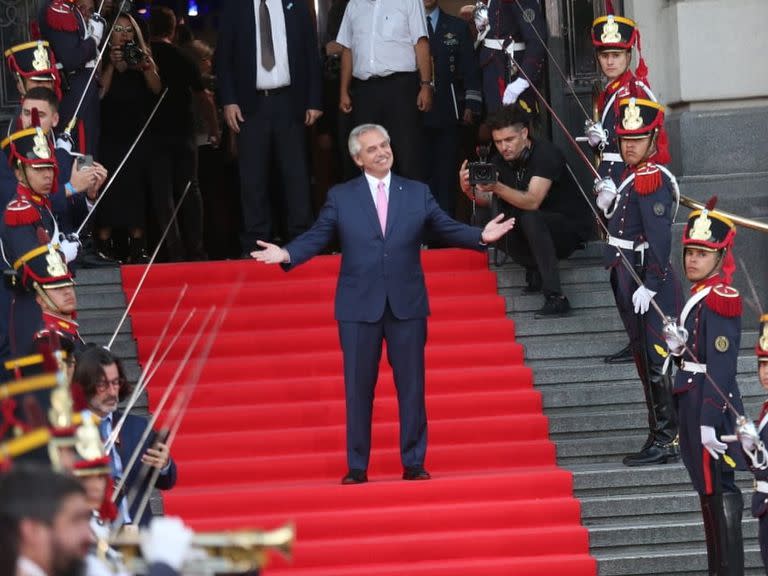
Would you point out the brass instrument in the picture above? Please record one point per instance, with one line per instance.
(216, 552)
(738, 220)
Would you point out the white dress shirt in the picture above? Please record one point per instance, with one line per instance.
(381, 35)
(25, 567)
(280, 75)
(373, 185)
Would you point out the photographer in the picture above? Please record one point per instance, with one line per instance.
(532, 185)
(130, 83)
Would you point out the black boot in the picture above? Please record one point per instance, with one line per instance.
(662, 421)
(95, 253)
(621, 357)
(137, 251)
(733, 508)
(532, 281)
(714, 532)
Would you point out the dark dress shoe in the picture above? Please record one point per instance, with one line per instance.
(656, 453)
(355, 477)
(416, 473)
(621, 357)
(555, 306)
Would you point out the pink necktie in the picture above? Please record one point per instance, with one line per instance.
(381, 206)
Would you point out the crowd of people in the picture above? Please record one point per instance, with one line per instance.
(102, 163)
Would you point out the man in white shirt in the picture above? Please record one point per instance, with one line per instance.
(386, 73)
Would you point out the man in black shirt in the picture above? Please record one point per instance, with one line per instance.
(534, 187)
(173, 138)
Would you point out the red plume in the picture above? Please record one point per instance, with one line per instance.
(35, 118)
(34, 30)
(729, 265)
(711, 203)
(609, 7)
(661, 156)
(642, 69)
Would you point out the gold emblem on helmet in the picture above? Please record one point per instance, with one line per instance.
(764, 338)
(40, 59)
(610, 33)
(632, 118)
(88, 442)
(41, 148)
(56, 266)
(60, 413)
(701, 227)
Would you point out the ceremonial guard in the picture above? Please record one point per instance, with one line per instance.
(32, 64)
(613, 38)
(75, 42)
(28, 223)
(640, 213)
(457, 100)
(760, 466)
(510, 34)
(705, 341)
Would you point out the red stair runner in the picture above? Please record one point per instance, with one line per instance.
(263, 440)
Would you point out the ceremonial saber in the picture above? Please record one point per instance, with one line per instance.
(123, 161)
(142, 376)
(99, 56)
(149, 265)
(144, 381)
(179, 410)
(148, 430)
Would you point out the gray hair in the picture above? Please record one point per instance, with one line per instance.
(354, 143)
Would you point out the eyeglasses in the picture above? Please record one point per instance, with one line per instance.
(119, 28)
(102, 385)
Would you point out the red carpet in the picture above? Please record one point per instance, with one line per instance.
(263, 440)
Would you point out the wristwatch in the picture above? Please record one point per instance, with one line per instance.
(427, 83)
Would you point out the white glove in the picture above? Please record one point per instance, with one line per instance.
(69, 249)
(748, 436)
(481, 19)
(711, 443)
(596, 134)
(513, 90)
(64, 142)
(675, 337)
(642, 299)
(605, 188)
(96, 29)
(167, 542)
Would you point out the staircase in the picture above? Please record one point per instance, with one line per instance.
(641, 520)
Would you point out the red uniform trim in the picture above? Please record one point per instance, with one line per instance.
(706, 466)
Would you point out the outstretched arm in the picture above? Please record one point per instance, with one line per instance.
(271, 253)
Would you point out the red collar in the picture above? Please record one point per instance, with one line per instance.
(614, 87)
(25, 193)
(713, 280)
(59, 324)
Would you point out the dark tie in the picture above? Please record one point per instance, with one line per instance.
(265, 35)
(430, 27)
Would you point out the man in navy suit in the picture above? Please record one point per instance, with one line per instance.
(458, 99)
(269, 82)
(100, 375)
(380, 219)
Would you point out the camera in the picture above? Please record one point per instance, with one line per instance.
(132, 54)
(482, 171)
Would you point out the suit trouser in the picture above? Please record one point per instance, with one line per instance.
(442, 149)
(391, 102)
(272, 131)
(361, 344)
(538, 240)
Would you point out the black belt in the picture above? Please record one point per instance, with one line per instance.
(388, 76)
(272, 91)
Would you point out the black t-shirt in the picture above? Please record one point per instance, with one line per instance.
(175, 117)
(545, 160)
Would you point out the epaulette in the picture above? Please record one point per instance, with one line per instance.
(60, 16)
(20, 213)
(648, 179)
(724, 300)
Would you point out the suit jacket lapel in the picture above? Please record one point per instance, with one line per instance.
(395, 198)
(367, 204)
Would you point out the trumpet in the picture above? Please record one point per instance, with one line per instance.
(215, 552)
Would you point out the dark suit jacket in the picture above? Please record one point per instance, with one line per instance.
(236, 56)
(130, 434)
(377, 268)
(454, 64)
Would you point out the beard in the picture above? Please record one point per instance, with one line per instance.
(69, 566)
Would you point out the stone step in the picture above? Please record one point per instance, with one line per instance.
(513, 277)
(679, 559)
(579, 322)
(96, 276)
(584, 297)
(599, 480)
